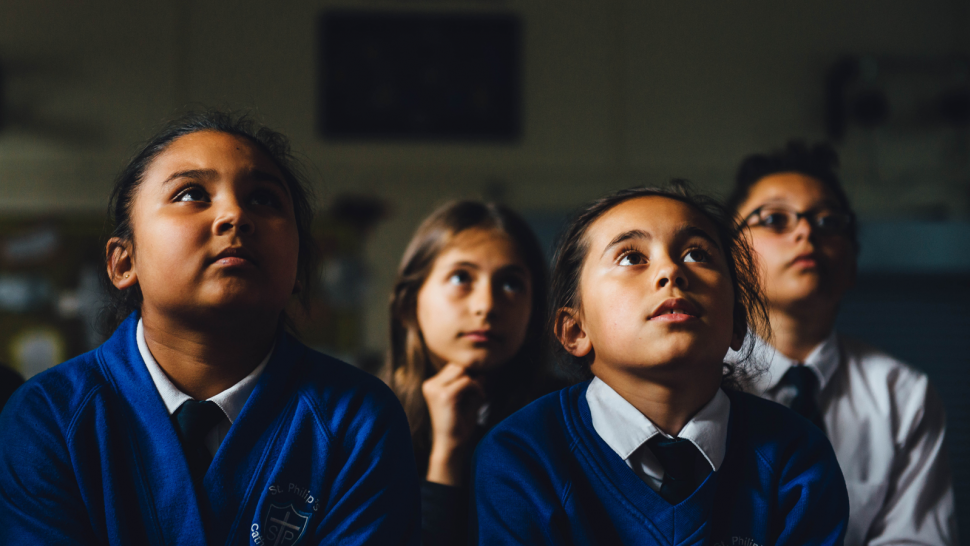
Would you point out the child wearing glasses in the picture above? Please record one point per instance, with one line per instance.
(883, 418)
(650, 288)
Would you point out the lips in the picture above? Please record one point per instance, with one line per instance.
(234, 256)
(808, 259)
(675, 310)
(480, 336)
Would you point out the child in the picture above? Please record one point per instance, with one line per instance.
(885, 421)
(649, 288)
(467, 315)
(116, 446)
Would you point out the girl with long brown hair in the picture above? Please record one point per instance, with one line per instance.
(466, 344)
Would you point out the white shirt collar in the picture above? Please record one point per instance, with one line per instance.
(625, 429)
(230, 401)
(823, 360)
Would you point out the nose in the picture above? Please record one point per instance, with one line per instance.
(803, 229)
(233, 217)
(669, 273)
(483, 300)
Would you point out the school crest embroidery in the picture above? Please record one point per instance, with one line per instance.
(284, 525)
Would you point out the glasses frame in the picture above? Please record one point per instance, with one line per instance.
(810, 215)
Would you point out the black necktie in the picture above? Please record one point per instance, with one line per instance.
(193, 421)
(805, 402)
(682, 473)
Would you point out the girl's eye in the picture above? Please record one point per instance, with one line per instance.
(775, 220)
(697, 255)
(192, 194)
(265, 198)
(513, 285)
(633, 258)
(460, 278)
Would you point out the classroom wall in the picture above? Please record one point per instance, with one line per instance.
(616, 92)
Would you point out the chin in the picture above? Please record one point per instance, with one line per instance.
(483, 364)
(682, 352)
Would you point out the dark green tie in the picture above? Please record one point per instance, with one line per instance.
(805, 403)
(193, 421)
(682, 473)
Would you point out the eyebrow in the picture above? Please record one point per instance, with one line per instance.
(824, 203)
(207, 174)
(191, 173)
(513, 268)
(626, 236)
(688, 231)
(683, 232)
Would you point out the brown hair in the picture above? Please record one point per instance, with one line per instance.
(408, 365)
(750, 310)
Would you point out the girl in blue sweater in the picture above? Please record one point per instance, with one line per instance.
(650, 289)
(202, 420)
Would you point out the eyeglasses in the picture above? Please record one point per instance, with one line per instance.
(783, 220)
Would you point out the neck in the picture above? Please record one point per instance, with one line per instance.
(796, 331)
(205, 358)
(669, 405)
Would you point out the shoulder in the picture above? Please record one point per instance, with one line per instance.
(777, 433)
(535, 418)
(880, 369)
(56, 396)
(791, 450)
(532, 432)
(892, 389)
(347, 402)
(333, 383)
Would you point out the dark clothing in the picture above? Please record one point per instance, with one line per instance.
(9, 382)
(444, 514)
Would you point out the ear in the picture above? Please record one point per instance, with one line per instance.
(569, 330)
(121, 267)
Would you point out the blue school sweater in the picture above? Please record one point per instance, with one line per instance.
(320, 454)
(544, 476)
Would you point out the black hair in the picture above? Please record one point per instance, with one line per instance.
(275, 145)
(818, 161)
(750, 309)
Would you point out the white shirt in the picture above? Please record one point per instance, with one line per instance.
(230, 401)
(886, 424)
(627, 431)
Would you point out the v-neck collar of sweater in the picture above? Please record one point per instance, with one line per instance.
(672, 524)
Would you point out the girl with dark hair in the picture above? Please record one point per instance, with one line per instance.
(467, 316)
(650, 288)
(883, 417)
(202, 420)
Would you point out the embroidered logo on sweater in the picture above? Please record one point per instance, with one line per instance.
(738, 541)
(282, 526)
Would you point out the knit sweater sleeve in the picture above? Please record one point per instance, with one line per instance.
(516, 498)
(40, 500)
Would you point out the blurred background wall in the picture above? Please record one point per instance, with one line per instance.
(614, 93)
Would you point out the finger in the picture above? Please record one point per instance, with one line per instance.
(462, 386)
(448, 373)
